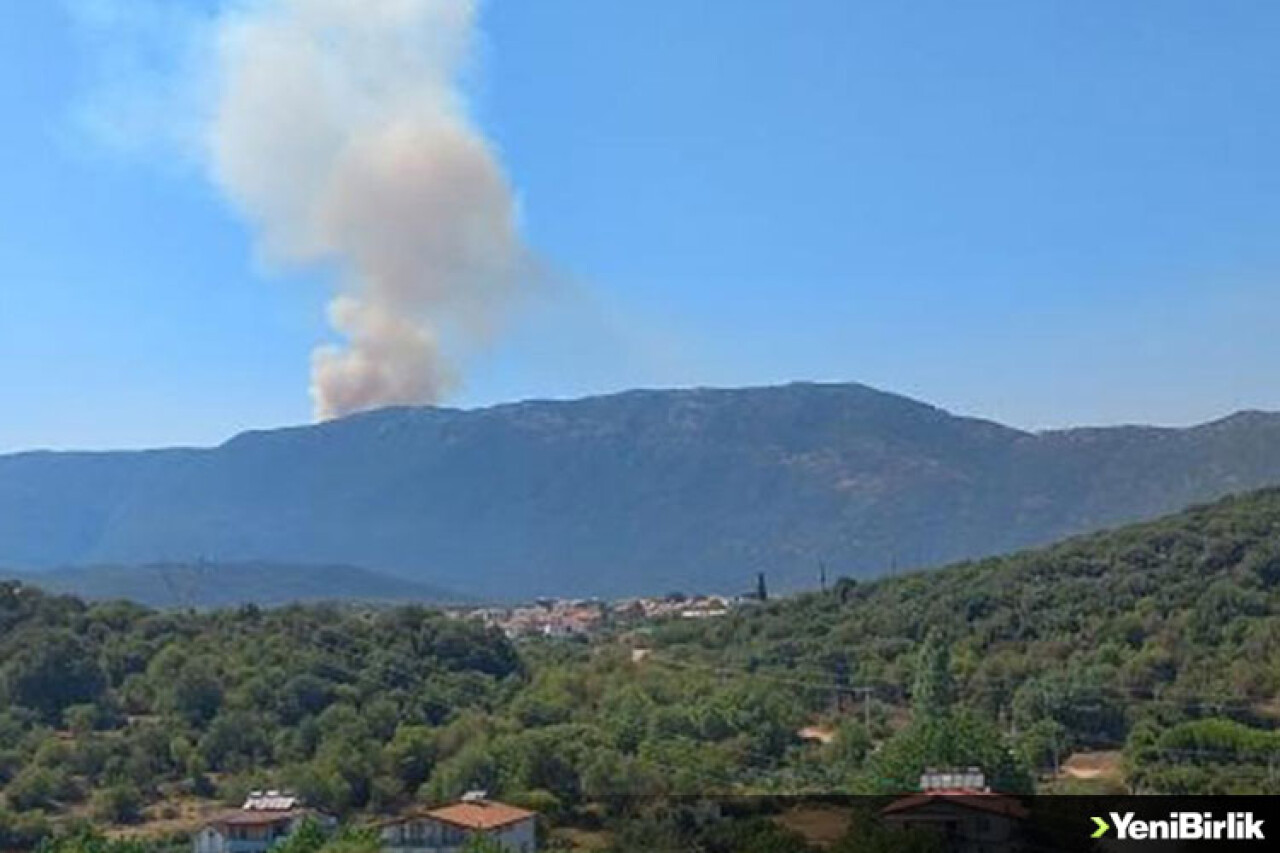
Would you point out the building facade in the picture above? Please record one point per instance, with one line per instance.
(255, 827)
(448, 829)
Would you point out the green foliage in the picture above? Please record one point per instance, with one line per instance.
(90, 841)
(121, 803)
(308, 837)
(961, 740)
(347, 703)
(477, 843)
(932, 695)
(39, 787)
(195, 694)
(1072, 646)
(1214, 756)
(22, 831)
(51, 670)
(354, 840)
(851, 745)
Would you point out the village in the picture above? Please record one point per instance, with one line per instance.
(570, 618)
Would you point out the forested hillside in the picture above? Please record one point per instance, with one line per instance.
(636, 493)
(123, 715)
(1114, 638)
(110, 707)
(1161, 640)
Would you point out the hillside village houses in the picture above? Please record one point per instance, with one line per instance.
(267, 817)
(566, 618)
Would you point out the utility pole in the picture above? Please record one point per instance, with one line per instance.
(840, 681)
(822, 575)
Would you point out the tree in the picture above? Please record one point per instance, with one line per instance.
(196, 694)
(52, 673)
(411, 754)
(308, 837)
(355, 840)
(22, 831)
(471, 769)
(962, 739)
(479, 843)
(932, 694)
(118, 804)
(234, 741)
(39, 787)
(851, 744)
(81, 719)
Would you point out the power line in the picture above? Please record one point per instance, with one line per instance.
(1139, 695)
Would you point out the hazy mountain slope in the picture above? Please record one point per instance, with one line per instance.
(54, 507)
(642, 491)
(207, 585)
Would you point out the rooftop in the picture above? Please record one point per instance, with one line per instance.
(480, 814)
(984, 801)
(256, 817)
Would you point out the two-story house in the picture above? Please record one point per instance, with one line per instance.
(447, 829)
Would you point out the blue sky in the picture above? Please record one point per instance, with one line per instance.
(1045, 213)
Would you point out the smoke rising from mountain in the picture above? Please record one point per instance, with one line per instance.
(340, 131)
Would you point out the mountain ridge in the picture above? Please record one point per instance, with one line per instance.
(642, 491)
(214, 585)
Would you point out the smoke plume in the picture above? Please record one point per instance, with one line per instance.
(340, 131)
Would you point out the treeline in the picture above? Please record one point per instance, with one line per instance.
(1149, 632)
(122, 713)
(114, 706)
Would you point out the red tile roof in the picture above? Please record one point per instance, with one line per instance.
(483, 814)
(986, 802)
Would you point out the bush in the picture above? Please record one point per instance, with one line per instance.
(81, 719)
(38, 788)
(118, 804)
(21, 831)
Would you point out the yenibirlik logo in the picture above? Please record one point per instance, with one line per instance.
(1183, 826)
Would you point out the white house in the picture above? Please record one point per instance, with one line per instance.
(265, 818)
(447, 829)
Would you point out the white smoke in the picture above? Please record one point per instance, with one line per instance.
(339, 130)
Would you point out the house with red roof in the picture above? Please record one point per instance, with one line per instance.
(449, 828)
(265, 818)
(959, 806)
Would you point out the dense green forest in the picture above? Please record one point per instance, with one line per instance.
(1162, 637)
(1161, 640)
